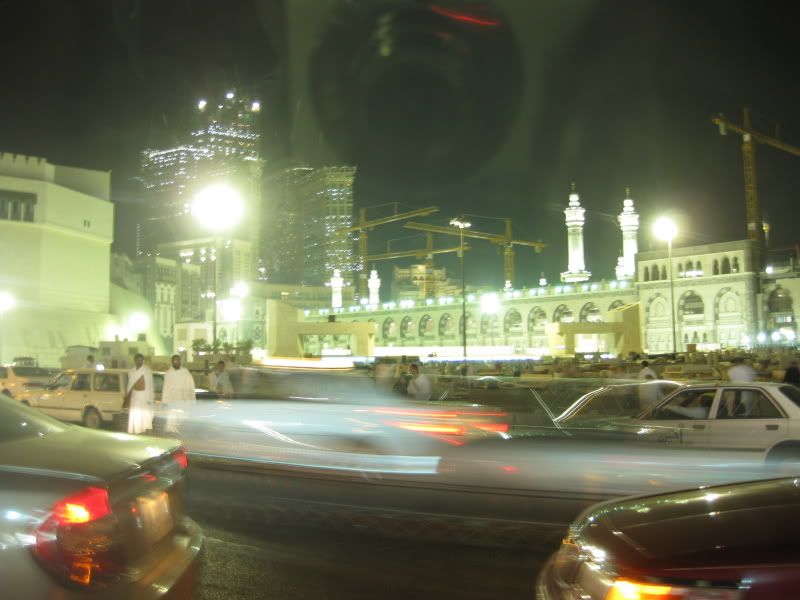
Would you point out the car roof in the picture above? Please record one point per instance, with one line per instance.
(91, 370)
(755, 384)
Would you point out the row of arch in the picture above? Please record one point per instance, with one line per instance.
(512, 321)
(718, 267)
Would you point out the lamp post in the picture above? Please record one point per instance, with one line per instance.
(217, 208)
(7, 302)
(665, 229)
(462, 224)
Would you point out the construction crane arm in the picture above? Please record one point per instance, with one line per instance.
(725, 124)
(420, 212)
(469, 233)
(420, 253)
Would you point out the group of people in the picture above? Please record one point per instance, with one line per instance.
(739, 371)
(404, 379)
(177, 394)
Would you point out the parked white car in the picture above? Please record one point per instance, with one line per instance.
(14, 379)
(756, 419)
(88, 396)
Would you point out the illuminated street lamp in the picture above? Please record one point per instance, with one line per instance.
(217, 208)
(462, 224)
(665, 229)
(7, 302)
(490, 305)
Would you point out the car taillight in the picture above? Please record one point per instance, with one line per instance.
(624, 589)
(76, 541)
(432, 428)
(181, 457)
(493, 427)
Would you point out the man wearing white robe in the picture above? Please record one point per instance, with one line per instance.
(178, 393)
(139, 397)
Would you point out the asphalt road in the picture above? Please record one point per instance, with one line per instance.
(244, 560)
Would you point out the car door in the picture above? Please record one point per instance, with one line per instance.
(51, 402)
(75, 398)
(683, 418)
(747, 419)
(107, 394)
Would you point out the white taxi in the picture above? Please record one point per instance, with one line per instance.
(758, 418)
(88, 396)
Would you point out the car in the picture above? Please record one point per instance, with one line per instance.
(91, 514)
(615, 400)
(758, 420)
(732, 542)
(334, 421)
(89, 396)
(15, 379)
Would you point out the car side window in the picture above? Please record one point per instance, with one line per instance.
(106, 382)
(63, 380)
(746, 404)
(689, 404)
(3, 372)
(82, 383)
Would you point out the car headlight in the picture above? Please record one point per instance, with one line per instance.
(581, 571)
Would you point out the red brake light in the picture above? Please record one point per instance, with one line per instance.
(181, 457)
(493, 427)
(76, 540)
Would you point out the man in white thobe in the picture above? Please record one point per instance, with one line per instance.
(219, 381)
(419, 387)
(139, 397)
(178, 393)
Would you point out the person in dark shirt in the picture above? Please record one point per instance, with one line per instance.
(792, 374)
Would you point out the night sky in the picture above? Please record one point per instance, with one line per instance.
(608, 95)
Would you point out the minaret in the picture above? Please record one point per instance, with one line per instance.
(629, 223)
(336, 284)
(576, 271)
(374, 285)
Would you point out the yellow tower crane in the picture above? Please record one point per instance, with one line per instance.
(364, 226)
(755, 228)
(505, 240)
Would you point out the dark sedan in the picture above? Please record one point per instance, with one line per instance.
(88, 511)
(732, 542)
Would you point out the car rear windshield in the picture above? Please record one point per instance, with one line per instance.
(792, 393)
(18, 421)
(31, 372)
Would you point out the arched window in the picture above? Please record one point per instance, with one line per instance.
(389, 329)
(698, 266)
(446, 325)
(780, 301)
(590, 313)
(562, 314)
(691, 304)
(663, 272)
(615, 304)
(537, 319)
(735, 264)
(646, 274)
(470, 325)
(407, 327)
(488, 324)
(680, 268)
(726, 266)
(512, 323)
(716, 267)
(654, 273)
(425, 326)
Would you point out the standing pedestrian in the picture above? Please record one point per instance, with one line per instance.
(741, 371)
(792, 374)
(220, 381)
(90, 364)
(178, 393)
(139, 397)
(419, 387)
(647, 372)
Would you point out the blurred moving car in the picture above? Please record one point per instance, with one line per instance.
(88, 396)
(616, 400)
(758, 420)
(335, 421)
(87, 511)
(734, 542)
(15, 379)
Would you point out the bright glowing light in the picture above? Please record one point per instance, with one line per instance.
(776, 336)
(761, 337)
(218, 207)
(746, 339)
(789, 334)
(665, 229)
(490, 304)
(255, 106)
(138, 322)
(629, 590)
(201, 104)
(240, 289)
(7, 302)
(229, 95)
(230, 310)
(461, 223)
(770, 269)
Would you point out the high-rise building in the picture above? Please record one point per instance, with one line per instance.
(222, 144)
(326, 197)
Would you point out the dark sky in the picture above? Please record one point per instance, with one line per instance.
(608, 95)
